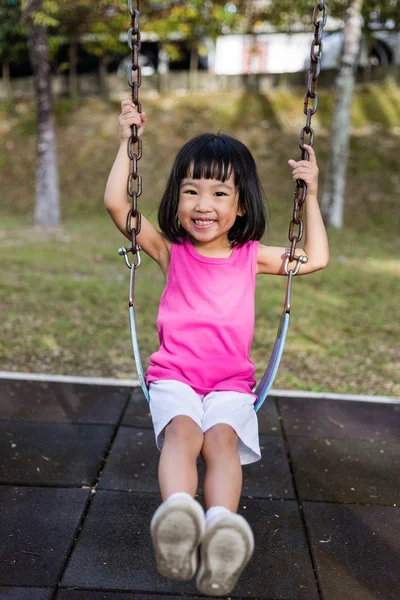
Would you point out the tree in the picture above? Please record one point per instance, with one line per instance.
(96, 24)
(289, 15)
(11, 40)
(47, 205)
(194, 20)
(104, 38)
(380, 13)
(75, 19)
(385, 13)
(333, 196)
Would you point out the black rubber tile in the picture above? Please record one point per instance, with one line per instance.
(51, 453)
(356, 550)
(85, 595)
(118, 555)
(349, 471)
(269, 477)
(338, 418)
(268, 418)
(138, 414)
(38, 526)
(63, 402)
(16, 593)
(138, 411)
(132, 465)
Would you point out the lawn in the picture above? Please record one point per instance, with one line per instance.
(63, 294)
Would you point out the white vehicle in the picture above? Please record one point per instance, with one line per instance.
(290, 52)
(385, 50)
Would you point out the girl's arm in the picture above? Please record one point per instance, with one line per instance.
(271, 259)
(152, 241)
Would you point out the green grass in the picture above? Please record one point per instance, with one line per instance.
(63, 295)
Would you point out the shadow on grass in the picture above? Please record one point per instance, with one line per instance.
(256, 104)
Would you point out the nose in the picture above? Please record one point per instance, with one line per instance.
(203, 204)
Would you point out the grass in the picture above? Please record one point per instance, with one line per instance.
(63, 295)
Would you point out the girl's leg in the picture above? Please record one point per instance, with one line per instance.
(223, 479)
(177, 471)
(228, 542)
(178, 524)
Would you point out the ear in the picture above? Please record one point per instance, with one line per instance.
(241, 212)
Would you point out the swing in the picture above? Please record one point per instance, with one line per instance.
(300, 193)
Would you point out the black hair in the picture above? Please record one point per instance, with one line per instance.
(216, 156)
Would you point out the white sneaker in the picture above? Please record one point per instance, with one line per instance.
(177, 527)
(226, 548)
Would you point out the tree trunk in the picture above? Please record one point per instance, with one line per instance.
(47, 207)
(102, 72)
(7, 85)
(194, 65)
(163, 70)
(333, 197)
(73, 69)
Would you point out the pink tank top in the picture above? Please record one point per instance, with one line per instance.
(206, 320)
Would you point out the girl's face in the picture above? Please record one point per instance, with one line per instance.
(208, 209)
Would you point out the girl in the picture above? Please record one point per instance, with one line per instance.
(201, 379)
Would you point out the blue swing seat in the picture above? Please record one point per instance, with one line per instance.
(267, 379)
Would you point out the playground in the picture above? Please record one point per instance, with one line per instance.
(190, 481)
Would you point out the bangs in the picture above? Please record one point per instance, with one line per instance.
(212, 158)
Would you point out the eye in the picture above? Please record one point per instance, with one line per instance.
(220, 194)
(189, 192)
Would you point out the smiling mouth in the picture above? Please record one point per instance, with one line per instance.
(203, 223)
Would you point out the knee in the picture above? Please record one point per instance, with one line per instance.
(184, 431)
(218, 440)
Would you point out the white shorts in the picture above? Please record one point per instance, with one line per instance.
(168, 399)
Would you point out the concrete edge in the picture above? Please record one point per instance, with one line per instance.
(135, 383)
(69, 379)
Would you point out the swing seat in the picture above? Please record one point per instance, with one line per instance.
(267, 379)
(262, 390)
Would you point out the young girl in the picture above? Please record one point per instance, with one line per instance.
(201, 379)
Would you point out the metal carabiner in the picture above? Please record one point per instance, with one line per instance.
(290, 273)
(124, 252)
(300, 260)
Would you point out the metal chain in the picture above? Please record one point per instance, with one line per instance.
(134, 184)
(314, 70)
(134, 149)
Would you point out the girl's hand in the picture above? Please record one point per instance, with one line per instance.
(129, 116)
(307, 170)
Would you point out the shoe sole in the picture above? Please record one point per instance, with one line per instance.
(176, 531)
(225, 551)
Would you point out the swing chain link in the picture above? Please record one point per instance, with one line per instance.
(134, 149)
(300, 192)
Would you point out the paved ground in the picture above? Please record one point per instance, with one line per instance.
(78, 488)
